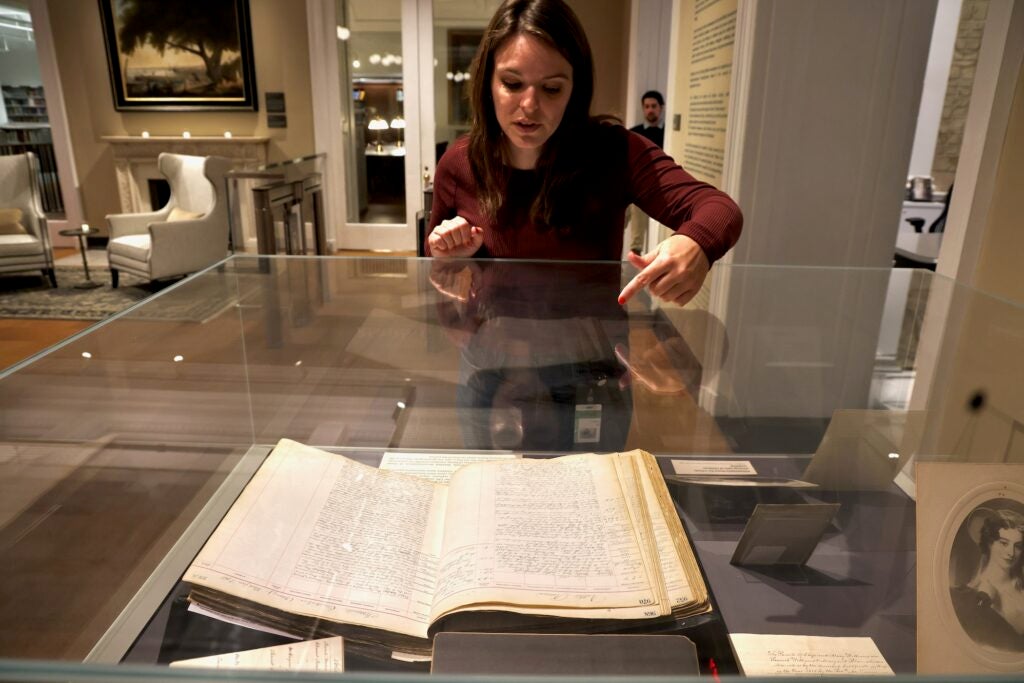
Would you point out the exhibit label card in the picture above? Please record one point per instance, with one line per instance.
(768, 655)
(720, 468)
(436, 467)
(325, 656)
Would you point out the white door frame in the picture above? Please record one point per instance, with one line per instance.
(1000, 60)
(995, 78)
(330, 126)
(418, 175)
(59, 129)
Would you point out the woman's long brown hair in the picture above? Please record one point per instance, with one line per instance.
(555, 24)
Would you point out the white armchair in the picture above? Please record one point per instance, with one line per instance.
(188, 234)
(24, 240)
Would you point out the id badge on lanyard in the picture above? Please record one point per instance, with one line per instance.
(587, 422)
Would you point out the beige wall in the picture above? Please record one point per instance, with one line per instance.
(999, 268)
(958, 91)
(282, 64)
(607, 25)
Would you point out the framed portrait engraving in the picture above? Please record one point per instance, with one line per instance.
(172, 55)
(970, 568)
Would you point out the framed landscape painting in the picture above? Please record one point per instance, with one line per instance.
(179, 55)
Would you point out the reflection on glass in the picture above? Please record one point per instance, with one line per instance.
(536, 379)
(458, 31)
(370, 67)
(398, 124)
(377, 124)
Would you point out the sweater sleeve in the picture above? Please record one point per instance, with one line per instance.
(670, 195)
(443, 206)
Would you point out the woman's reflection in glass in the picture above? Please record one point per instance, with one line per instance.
(541, 370)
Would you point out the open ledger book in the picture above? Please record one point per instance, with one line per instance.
(318, 544)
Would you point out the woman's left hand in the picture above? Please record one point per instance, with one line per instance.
(673, 271)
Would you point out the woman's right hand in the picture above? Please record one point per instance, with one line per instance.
(456, 280)
(455, 238)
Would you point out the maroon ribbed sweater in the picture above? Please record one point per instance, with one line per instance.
(621, 168)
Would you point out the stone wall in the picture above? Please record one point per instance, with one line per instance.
(958, 91)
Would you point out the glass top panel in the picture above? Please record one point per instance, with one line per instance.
(817, 386)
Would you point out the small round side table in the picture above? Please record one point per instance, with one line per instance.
(81, 235)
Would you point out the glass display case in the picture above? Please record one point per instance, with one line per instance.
(836, 443)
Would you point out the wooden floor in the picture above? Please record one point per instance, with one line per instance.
(23, 337)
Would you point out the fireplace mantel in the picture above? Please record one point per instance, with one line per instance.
(135, 159)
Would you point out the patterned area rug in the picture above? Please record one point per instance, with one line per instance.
(30, 296)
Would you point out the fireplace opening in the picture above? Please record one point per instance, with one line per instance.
(159, 193)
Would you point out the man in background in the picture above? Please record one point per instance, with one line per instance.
(652, 129)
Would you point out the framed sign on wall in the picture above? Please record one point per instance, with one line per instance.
(164, 55)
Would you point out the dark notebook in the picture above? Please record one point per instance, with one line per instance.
(580, 655)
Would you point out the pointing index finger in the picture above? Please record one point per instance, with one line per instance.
(631, 288)
(637, 283)
(646, 276)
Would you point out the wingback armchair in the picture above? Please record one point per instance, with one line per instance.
(188, 234)
(24, 239)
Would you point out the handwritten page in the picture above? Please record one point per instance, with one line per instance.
(541, 533)
(672, 571)
(323, 656)
(320, 535)
(436, 467)
(768, 655)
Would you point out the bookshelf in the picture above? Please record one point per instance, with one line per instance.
(24, 103)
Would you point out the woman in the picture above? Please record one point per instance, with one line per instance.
(990, 606)
(538, 177)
